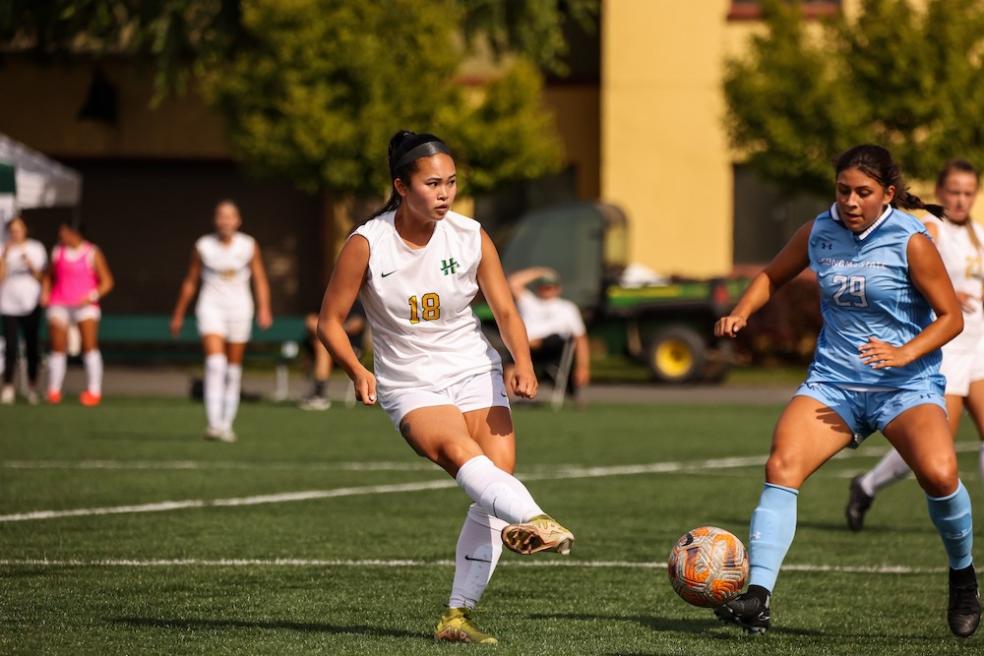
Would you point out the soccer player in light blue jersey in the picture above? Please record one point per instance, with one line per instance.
(888, 306)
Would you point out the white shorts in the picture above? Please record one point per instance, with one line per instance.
(485, 390)
(234, 327)
(961, 368)
(68, 316)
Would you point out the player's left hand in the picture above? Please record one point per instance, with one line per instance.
(264, 319)
(882, 355)
(523, 382)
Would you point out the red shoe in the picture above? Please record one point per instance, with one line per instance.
(89, 400)
(54, 397)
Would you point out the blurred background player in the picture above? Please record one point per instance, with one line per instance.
(550, 322)
(321, 363)
(961, 245)
(22, 263)
(72, 288)
(888, 306)
(224, 262)
(417, 266)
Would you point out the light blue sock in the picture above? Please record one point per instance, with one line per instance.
(771, 532)
(952, 518)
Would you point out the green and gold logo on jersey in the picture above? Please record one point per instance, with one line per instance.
(449, 266)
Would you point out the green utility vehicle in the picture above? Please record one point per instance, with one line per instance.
(668, 326)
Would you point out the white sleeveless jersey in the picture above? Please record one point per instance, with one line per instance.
(965, 265)
(418, 302)
(226, 274)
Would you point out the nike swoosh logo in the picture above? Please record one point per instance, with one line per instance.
(388, 274)
(477, 560)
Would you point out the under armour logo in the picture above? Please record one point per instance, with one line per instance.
(757, 535)
(449, 266)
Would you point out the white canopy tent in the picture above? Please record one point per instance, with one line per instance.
(28, 180)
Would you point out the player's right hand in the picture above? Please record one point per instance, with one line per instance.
(365, 387)
(176, 326)
(729, 326)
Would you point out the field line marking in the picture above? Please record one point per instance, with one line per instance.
(306, 562)
(383, 466)
(565, 473)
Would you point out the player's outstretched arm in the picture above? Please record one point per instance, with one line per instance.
(187, 292)
(343, 288)
(928, 274)
(492, 281)
(791, 260)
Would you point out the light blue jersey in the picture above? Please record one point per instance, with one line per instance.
(865, 291)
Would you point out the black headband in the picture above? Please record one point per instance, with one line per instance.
(425, 149)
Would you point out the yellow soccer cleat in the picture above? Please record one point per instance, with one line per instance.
(456, 625)
(542, 533)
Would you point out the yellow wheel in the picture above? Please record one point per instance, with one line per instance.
(677, 354)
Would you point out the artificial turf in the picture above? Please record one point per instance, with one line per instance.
(291, 576)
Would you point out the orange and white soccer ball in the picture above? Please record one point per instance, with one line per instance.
(708, 566)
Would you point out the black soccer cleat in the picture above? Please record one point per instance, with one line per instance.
(749, 610)
(964, 612)
(857, 505)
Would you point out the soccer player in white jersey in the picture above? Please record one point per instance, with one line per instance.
(416, 266)
(225, 262)
(961, 244)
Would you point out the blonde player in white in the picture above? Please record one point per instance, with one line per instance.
(225, 262)
(961, 244)
(416, 266)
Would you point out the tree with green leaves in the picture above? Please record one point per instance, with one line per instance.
(904, 76)
(311, 90)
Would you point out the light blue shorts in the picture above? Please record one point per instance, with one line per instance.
(867, 412)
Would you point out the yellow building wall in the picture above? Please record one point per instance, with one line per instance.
(664, 155)
(43, 102)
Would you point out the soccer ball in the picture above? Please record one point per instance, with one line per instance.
(708, 566)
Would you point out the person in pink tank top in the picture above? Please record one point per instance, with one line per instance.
(77, 278)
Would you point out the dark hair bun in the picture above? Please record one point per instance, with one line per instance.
(397, 140)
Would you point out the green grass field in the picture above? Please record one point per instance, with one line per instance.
(282, 575)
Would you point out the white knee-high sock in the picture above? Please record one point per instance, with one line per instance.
(93, 371)
(497, 492)
(215, 375)
(980, 462)
(230, 401)
(889, 469)
(478, 551)
(57, 362)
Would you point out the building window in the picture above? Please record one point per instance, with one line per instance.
(752, 9)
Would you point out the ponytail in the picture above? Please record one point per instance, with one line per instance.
(909, 201)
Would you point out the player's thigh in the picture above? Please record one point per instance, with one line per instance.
(922, 437)
(807, 435)
(235, 352)
(213, 344)
(89, 333)
(492, 428)
(440, 434)
(954, 410)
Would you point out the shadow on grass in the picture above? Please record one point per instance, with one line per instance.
(676, 624)
(186, 624)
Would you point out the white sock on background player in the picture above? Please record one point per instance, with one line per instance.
(93, 371)
(497, 492)
(57, 362)
(478, 551)
(214, 392)
(980, 462)
(888, 470)
(230, 400)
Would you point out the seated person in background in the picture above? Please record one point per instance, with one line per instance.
(321, 360)
(550, 321)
